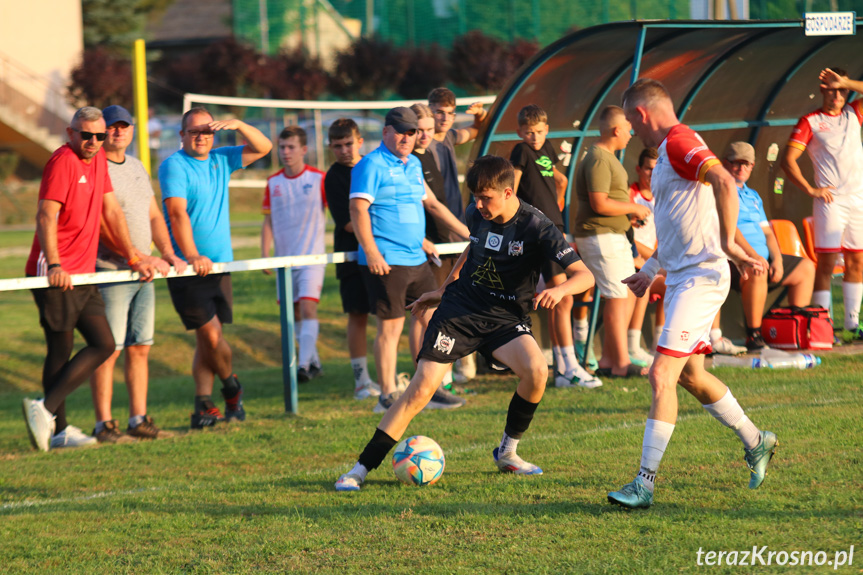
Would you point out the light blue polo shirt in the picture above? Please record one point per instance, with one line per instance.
(395, 190)
(751, 218)
(204, 186)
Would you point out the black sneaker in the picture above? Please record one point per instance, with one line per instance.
(315, 370)
(207, 417)
(234, 406)
(303, 375)
(443, 399)
(755, 342)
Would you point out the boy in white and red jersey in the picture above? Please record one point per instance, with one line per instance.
(294, 203)
(831, 137)
(696, 218)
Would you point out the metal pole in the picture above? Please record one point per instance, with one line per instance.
(289, 352)
(139, 86)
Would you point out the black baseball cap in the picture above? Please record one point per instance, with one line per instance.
(402, 119)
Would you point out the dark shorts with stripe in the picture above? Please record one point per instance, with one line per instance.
(60, 310)
(455, 332)
(389, 294)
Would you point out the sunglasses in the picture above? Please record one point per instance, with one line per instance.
(87, 136)
(196, 133)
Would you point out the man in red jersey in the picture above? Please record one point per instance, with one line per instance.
(75, 199)
(696, 218)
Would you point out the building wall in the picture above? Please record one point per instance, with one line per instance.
(45, 37)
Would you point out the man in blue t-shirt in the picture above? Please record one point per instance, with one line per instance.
(194, 184)
(388, 197)
(755, 235)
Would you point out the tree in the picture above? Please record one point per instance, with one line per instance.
(370, 69)
(292, 75)
(115, 24)
(426, 70)
(101, 79)
(482, 64)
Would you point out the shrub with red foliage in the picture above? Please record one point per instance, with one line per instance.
(100, 80)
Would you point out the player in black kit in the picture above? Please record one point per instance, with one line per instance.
(484, 306)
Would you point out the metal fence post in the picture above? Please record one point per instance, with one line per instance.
(289, 352)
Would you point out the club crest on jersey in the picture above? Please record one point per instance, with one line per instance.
(444, 343)
(493, 241)
(562, 253)
(307, 189)
(516, 248)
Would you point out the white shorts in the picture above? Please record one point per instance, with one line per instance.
(609, 259)
(692, 299)
(838, 226)
(307, 282)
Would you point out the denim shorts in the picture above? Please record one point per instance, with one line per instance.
(131, 312)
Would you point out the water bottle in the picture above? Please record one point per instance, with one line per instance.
(731, 361)
(778, 359)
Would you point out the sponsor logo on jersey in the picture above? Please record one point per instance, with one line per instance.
(493, 241)
(684, 336)
(486, 275)
(474, 239)
(307, 189)
(562, 253)
(516, 248)
(444, 343)
(692, 153)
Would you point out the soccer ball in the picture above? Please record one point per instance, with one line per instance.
(418, 460)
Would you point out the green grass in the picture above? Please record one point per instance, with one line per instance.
(258, 496)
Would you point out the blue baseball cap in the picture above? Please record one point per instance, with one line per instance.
(114, 114)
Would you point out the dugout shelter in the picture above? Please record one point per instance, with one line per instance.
(730, 80)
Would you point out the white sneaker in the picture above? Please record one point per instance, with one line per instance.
(366, 390)
(512, 463)
(724, 346)
(579, 377)
(640, 354)
(403, 380)
(72, 437)
(349, 482)
(40, 423)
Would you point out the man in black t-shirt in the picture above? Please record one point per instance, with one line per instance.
(541, 185)
(485, 306)
(345, 143)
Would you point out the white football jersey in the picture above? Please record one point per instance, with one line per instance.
(296, 206)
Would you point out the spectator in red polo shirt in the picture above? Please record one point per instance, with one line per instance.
(75, 199)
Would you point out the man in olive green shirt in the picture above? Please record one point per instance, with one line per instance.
(603, 218)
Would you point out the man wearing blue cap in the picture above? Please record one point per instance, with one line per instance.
(130, 307)
(387, 200)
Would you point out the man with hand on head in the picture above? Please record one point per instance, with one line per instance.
(194, 184)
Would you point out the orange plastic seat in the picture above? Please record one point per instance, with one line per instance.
(809, 233)
(788, 238)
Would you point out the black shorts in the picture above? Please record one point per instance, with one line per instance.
(355, 297)
(788, 265)
(389, 294)
(197, 299)
(60, 310)
(455, 332)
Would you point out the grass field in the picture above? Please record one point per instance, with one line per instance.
(258, 496)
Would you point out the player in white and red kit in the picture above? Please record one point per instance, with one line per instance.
(696, 217)
(831, 137)
(294, 203)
